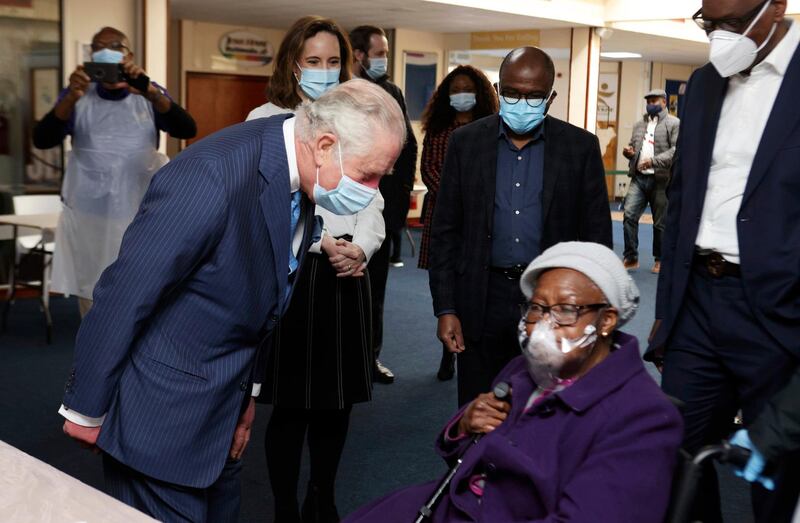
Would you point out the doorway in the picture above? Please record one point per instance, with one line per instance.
(216, 101)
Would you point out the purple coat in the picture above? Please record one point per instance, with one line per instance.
(603, 449)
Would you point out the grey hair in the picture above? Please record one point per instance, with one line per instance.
(357, 112)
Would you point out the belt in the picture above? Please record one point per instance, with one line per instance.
(716, 266)
(512, 273)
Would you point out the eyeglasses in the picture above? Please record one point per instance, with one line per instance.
(564, 314)
(114, 46)
(735, 25)
(532, 99)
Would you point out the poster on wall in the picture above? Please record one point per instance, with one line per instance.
(607, 114)
(675, 90)
(420, 76)
(246, 48)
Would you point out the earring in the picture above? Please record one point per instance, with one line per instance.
(604, 334)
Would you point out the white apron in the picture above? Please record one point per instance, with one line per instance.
(113, 157)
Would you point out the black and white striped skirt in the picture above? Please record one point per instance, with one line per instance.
(321, 355)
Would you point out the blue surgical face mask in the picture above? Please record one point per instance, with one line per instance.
(348, 197)
(521, 117)
(377, 67)
(107, 56)
(653, 109)
(462, 102)
(316, 82)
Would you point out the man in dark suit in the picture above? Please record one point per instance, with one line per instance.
(163, 363)
(512, 185)
(728, 303)
(370, 54)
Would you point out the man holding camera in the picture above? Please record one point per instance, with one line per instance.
(114, 126)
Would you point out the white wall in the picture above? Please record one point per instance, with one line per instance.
(83, 18)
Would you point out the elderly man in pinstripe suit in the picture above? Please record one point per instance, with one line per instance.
(164, 362)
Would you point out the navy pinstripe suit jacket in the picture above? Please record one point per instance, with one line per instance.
(167, 351)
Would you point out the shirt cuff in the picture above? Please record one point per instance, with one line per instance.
(446, 311)
(79, 419)
(256, 390)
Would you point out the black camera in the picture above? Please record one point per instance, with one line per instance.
(102, 72)
(113, 73)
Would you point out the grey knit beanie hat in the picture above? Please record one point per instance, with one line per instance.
(598, 263)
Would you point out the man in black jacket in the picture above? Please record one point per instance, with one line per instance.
(370, 52)
(513, 184)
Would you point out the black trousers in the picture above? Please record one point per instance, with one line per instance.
(484, 358)
(286, 432)
(378, 275)
(719, 359)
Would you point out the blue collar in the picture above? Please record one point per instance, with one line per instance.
(116, 94)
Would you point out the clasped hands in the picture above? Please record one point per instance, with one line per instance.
(347, 258)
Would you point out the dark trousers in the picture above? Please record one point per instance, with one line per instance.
(286, 432)
(719, 359)
(643, 190)
(395, 237)
(378, 274)
(484, 358)
(175, 503)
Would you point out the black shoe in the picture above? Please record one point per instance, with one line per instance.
(382, 374)
(447, 367)
(317, 509)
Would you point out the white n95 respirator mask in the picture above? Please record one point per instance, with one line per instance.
(544, 356)
(732, 53)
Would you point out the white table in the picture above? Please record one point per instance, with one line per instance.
(46, 225)
(32, 491)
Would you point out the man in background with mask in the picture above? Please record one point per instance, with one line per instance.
(650, 153)
(728, 308)
(115, 132)
(164, 362)
(513, 184)
(370, 55)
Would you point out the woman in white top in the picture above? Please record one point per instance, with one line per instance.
(321, 358)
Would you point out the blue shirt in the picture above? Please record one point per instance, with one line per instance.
(517, 223)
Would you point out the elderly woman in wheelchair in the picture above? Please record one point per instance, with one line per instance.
(584, 435)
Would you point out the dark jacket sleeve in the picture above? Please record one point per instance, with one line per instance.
(50, 131)
(406, 165)
(177, 122)
(446, 230)
(776, 431)
(671, 224)
(595, 225)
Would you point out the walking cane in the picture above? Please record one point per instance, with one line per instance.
(501, 391)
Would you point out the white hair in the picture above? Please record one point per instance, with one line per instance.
(357, 112)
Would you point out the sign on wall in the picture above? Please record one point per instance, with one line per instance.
(607, 116)
(504, 39)
(246, 48)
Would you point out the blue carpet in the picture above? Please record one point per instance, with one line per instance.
(391, 439)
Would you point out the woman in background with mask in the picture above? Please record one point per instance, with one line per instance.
(313, 57)
(320, 359)
(586, 435)
(463, 96)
